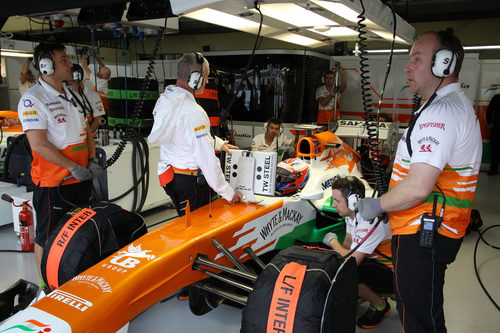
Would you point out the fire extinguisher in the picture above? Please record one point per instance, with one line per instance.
(26, 226)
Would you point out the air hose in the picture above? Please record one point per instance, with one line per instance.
(371, 117)
(134, 115)
(301, 88)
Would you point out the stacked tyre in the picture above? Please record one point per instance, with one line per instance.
(124, 98)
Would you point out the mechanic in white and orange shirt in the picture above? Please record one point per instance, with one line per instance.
(182, 128)
(438, 158)
(61, 142)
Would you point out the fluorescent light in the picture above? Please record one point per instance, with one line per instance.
(387, 51)
(484, 47)
(227, 20)
(295, 15)
(343, 11)
(388, 35)
(14, 53)
(297, 39)
(336, 32)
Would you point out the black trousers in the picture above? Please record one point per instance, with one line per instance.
(419, 280)
(495, 148)
(51, 203)
(183, 188)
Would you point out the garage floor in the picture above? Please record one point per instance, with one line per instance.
(467, 308)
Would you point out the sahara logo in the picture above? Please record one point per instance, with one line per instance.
(128, 259)
(76, 302)
(29, 326)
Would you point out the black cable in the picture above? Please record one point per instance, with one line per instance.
(371, 118)
(301, 88)
(481, 233)
(249, 63)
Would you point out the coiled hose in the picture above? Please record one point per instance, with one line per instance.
(301, 88)
(129, 130)
(370, 116)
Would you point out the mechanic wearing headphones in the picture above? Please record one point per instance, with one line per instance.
(325, 95)
(88, 101)
(182, 128)
(272, 140)
(373, 256)
(60, 140)
(433, 182)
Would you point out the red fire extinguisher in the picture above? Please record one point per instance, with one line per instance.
(26, 226)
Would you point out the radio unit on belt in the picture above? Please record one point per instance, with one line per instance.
(429, 225)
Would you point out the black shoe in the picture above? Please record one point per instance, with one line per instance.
(373, 317)
(492, 172)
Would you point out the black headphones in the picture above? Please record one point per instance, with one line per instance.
(77, 72)
(325, 73)
(356, 191)
(195, 79)
(445, 59)
(274, 121)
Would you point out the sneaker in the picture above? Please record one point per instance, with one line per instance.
(373, 317)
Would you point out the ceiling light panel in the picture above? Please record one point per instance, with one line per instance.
(227, 20)
(295, 15)
(336, 32)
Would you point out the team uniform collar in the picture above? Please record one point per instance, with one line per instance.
(51, 90)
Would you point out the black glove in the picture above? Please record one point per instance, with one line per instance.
(95, 168)
(369, 208)
(80, 173)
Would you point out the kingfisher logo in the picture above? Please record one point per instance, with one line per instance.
(27, 103)
(29, 326)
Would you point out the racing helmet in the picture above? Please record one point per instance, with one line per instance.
(292, 175)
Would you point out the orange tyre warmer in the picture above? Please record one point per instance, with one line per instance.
(303, 290)
(85, 236)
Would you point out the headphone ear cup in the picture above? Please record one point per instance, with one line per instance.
(443, 63)
(46, 66)
(195, 80)
(352, 200)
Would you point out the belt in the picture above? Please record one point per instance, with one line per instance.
(187, 172)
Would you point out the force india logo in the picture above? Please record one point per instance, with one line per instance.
(129, 259)
(30, 325)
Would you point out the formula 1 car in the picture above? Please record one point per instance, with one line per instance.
(207, 250)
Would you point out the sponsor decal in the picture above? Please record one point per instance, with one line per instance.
(30, 325)
(201, 135)
(284, 217)
(432, 124)
(243, 135)
(57, 108)
(61, 120)
(27, 103)
(425, 148)
(130, 258)
(30, 113)
(199, 128)
(52, 103)
(30, 120)
(327, 184)
(97, 282)
(267, 174)
(75, 302)
(428, 139)
(358, 123)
